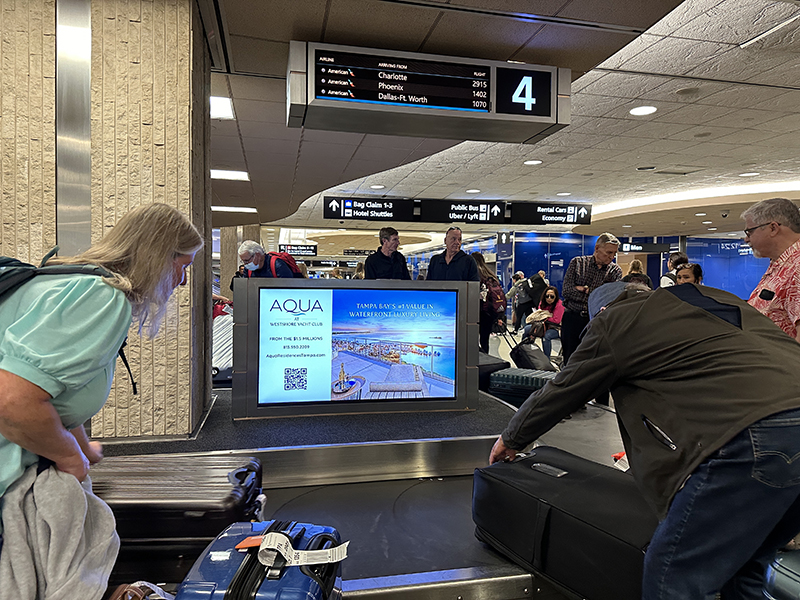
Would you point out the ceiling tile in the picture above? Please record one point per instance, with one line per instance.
(751, 18)
(275, 20)
(260, 57)
(256, 110)
(675, 56)
(378, 25)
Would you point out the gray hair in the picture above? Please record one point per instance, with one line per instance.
(606, 238)
(252, 248)
(781, 210)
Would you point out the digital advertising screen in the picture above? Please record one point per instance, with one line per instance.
(356, 345)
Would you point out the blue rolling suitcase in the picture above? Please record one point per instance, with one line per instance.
(222, 571)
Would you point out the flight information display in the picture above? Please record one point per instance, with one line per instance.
(372, 79)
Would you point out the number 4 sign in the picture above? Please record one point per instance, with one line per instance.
(524, 93)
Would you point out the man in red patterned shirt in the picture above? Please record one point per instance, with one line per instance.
(772, 228)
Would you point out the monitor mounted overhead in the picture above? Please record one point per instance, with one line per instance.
(345, 88)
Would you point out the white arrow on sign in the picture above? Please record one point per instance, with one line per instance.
(495, 210)
(334, 204)
(582, 212)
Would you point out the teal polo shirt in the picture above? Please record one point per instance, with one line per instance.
(61, 333)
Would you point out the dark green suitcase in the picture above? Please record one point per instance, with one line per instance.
(515, 385)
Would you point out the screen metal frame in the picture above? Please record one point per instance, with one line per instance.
(246, 314)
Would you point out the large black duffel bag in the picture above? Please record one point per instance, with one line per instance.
(581, 525)
(527, 355)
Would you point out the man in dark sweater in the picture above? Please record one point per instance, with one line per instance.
(708, 404)
(386, 262)
(453, 264)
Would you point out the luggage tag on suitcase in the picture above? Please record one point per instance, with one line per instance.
(276, 542)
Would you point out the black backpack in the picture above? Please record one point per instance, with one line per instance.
(13, 273)
(534, 286)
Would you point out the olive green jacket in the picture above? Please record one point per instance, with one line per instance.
(684, 382)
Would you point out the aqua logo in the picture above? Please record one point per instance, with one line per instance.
(296, 307)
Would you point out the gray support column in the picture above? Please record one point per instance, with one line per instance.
(73, 125)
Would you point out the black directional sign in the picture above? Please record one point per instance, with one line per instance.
(462, 211)
(356, 252)
(630, 247)
(368, 209)
(298, 249)
(550, 213)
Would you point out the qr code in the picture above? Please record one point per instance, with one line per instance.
(295, 379)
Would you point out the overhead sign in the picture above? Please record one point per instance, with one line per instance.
(628, 247)
(505, 244)
(462, 211)
(354, 252)
(346, 88)
(373, 79)
(523, 92)
(298, 249)
(368, 209)
(425, 210)
(546, 213)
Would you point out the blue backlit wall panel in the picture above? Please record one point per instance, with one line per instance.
(727, 264)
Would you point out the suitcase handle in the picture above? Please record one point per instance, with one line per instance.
(324, 574)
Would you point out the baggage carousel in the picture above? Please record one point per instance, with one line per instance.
(405, 507)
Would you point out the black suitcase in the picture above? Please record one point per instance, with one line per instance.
(782, 581)
(169, 508)
(527, 355)
(515, 385)
(486, 366)
(579, 524)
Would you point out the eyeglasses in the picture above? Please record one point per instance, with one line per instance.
(748, 232)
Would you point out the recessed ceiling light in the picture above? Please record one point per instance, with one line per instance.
(699, 214)
(641, 111)
(532, 162)
(473, 191)
(221, 108)
(231, 175)
(733, 234)
(712, 228)
(645, 168)
(352, 247)
(627, 225)
(377, 187)
(707, 222)
(564, 194)
(753, 174)
(239, 209)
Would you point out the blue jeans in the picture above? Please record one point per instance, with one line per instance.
(547, 341)
(736, 510)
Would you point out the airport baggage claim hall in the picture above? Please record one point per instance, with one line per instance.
(307, 126)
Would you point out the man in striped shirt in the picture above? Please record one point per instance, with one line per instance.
(584, 275)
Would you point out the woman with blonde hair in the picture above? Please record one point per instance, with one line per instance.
(59, 337)
(359, 274)
(637, 275)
